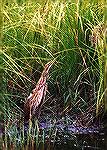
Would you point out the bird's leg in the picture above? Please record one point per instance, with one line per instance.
(30, 121)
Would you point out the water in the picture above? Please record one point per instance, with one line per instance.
(59, 135)
(81, 141)
(72, 137)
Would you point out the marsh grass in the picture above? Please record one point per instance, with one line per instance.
(34, 33)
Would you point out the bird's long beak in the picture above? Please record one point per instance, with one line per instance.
(50, 63)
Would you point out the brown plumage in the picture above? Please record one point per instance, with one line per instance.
(36, 98)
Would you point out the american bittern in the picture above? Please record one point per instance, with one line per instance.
(36, 98)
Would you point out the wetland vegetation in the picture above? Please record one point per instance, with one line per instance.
(73, 33)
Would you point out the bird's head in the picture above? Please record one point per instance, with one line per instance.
(47, 67)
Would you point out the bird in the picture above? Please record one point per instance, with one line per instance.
(36, 98)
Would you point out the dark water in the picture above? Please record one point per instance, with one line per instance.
(83, 141)
(73, 137)
(60, 136)
(76, 142)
